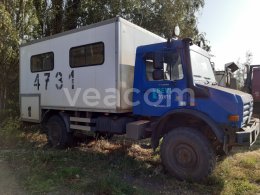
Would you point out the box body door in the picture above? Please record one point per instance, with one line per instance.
(30, 108)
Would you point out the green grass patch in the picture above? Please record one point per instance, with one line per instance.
(240, 187)
(248, 162)
(114, 185)
(9, 132)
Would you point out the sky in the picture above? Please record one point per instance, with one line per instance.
(232, 27)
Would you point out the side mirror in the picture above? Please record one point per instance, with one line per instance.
(158, 75)
(158, 61)
(232, 66)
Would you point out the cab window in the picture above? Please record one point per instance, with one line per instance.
(163, 66)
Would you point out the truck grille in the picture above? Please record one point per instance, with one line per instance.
(247, 112)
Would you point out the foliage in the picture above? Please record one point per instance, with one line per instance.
(158, 16)
(17, 24)
(23, 18)
(9, 132)
(9, 56)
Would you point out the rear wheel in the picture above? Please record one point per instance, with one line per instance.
(58, 137)
(187, 154)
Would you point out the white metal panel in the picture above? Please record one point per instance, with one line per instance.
(30, 108)
(132, 36)
(120, 39)
(99, 77)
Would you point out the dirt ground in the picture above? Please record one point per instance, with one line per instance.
(8, 183)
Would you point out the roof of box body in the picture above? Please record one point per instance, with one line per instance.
(109, 21)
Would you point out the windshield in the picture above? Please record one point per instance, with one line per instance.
(201, 68)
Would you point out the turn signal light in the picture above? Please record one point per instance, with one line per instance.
(233, 118)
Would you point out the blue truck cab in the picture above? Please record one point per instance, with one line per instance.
(196, 118)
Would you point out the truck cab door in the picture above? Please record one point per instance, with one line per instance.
(162, 82)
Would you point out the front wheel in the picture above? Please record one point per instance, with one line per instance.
(187, 154)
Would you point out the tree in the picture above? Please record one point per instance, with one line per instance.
(158, 16)
(164, 15)
(73, 14)
(57, 16)
(17, 23)
(9, 45)
(22, 14)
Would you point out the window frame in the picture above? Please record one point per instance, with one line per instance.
(52, 68)
(76, 47)
(153, 58)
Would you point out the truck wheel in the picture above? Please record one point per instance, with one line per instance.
(58, 137)
(187, 154)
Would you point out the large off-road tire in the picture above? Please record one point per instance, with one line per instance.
(58, 137)
(187, 154)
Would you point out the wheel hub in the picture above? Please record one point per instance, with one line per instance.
(185, 156)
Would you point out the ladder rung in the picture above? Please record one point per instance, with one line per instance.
(81, 127)
(82, 120)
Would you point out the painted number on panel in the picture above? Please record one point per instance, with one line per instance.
(59, 77)
(29, 111)
(71, 76)
(47, 75)
(37, 81)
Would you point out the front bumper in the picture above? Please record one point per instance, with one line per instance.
(248, 134)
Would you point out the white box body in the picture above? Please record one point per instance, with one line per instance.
(120, 38)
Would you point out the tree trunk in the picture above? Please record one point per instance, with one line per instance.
(57, 21)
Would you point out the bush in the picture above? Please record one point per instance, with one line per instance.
(10, 132)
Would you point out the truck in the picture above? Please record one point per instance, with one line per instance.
(252, 85)
(116, 78)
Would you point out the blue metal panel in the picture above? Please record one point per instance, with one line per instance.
(159, 90)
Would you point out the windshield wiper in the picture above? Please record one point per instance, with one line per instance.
(198, 76)
(207, 78)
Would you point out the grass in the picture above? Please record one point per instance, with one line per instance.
(115, 167)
